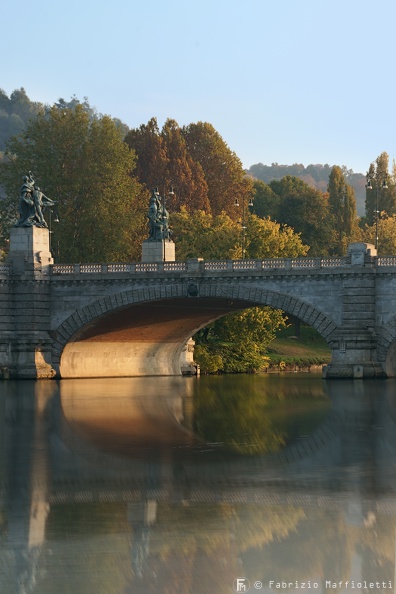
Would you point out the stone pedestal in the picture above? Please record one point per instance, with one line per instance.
(158, 251)
(29, 249)
(361, 253)
(29, 341)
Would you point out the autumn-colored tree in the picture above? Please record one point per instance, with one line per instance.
(201, 235)
(183, 173)
(149, 146)
(163, 161)
(269, 239)
(224, 173)
(386, 234)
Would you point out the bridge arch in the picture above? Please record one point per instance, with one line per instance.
(143, 331)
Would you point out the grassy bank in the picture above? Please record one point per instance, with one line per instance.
(291, 351)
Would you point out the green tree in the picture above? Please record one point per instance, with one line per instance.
(342, 206)
(378, 197)
(306, 210)
(87, 168)
(240, 340)
(265, 201)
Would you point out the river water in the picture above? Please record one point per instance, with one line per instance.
(271, 483)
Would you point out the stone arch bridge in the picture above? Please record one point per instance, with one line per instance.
(135, 319)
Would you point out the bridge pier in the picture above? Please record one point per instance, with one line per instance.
(25, 352)
(354, 345)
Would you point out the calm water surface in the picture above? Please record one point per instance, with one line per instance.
(197, 486)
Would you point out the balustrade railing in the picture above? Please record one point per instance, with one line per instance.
(386, 261)
(265, 264)
(4, 269)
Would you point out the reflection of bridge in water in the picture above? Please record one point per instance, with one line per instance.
(137, 444)
(76, 448)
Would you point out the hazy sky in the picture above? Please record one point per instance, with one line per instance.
(286, 81)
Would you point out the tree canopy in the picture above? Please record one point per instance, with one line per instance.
(87, 168)
(306, 210)
(204, 173)
(381, 192)
(342, 207)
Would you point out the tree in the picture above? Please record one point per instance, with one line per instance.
(342, 206)
(241, 339)
(224, 174)
(265, 201)
(268, 239)
(201, 235)
(306, 210)
(183, 172)
(163, 161)
(149, 146)
(386, 234)
(87, 168)
(379, 198)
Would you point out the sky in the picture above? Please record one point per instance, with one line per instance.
(282, 81)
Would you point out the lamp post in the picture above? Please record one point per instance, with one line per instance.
(56, 220)
(244, 212)
(379, 186)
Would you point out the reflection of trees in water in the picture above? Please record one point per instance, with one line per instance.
(253, 420)
(377, 547)
(318, 548)
(197, 548)
(324, 546)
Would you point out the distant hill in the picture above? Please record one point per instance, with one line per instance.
(316, 176)
(15, 113)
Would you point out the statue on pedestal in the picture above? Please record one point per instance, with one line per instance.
(32, 202)
(158, 218)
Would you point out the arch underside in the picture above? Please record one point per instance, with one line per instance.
(147, 337)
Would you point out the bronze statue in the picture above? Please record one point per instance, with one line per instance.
(32, 202)
(158, 218)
